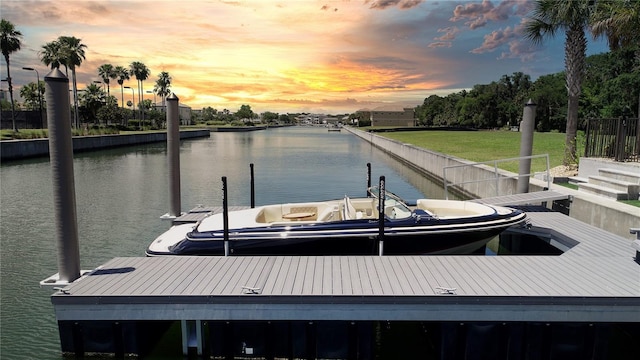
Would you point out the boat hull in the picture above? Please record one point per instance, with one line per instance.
(356, 239)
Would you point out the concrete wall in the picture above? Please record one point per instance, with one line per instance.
(21, 149)
(609, 215)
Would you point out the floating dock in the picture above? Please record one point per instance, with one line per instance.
(582, 303)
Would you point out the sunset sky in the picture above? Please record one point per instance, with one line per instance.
(326, 56)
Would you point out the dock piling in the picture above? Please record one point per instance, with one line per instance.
(253, 190)
(381, 196)
(64, 193)
(225, 216)
(368, 178)
(527, 127)
(173, 154)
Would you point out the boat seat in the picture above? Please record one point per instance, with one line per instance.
(350, 212)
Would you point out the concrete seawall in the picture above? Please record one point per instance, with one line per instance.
(609, 215)
(29, 148)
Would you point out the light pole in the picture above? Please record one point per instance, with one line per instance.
(38, 89)
(133, 103)
(154, 98)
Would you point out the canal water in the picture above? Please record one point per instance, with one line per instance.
(121, 194)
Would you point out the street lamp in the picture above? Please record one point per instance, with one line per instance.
(154, 98)
(38, 89)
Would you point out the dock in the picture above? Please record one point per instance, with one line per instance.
(516, 306)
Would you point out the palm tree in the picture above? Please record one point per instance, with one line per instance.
(122, 74)
(92, 99)
(141, 73)
(73, 54)
(10, 41)
(619, 22)
(107, 72)
(50, 55)
(571, 16)
(162, 86)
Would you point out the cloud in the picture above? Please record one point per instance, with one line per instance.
(497, 38)
(523, 50)
(328, 8)
(402, 4)
(449, 33)
(479, 14)
(440, 44)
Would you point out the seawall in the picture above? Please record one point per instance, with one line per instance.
(609, 215)
(29, 148)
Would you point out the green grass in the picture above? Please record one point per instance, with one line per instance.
(635, 203)
(569, 185)
(480, 146)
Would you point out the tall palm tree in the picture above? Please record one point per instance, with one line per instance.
(107, 72)
(122, 74)
(619, 22)
(73, 53)
(162, 86)
(10, 41)
(50, 55)
(141, 72)
(571, 16)
(92, 99)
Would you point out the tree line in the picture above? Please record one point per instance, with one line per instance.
(610, 88)
(92, 104)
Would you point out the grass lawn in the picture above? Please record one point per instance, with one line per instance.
(483, 146)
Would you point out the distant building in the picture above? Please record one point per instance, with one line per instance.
(392, 115)
(184, 112)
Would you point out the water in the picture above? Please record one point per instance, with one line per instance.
(121, 193)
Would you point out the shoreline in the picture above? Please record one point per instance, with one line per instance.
(11, 150)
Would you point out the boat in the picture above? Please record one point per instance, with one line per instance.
(346, 226)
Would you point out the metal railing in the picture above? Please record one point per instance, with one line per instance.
(496, 175)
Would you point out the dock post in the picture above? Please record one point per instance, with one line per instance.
(191, 336)
(225, 216)
(253, 188)
(527, 127)
(173, 154)
(61, 156)
(381, 196)
(368, 178)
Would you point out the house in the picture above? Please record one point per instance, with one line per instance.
(393, 115)
(184, 112)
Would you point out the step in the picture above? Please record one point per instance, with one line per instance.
(575, 180)
(632, 177)
(603, 191)
(630, 188)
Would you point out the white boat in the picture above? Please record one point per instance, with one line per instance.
(343, 226)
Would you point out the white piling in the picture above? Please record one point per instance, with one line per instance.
(526, 146)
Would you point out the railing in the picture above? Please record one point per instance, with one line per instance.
(617, 139)
(496, 175)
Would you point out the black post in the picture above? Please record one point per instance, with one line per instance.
(381, 196)
(253, 191)
(368, 178)
(173, 154)
(620, 138)
(225, 216)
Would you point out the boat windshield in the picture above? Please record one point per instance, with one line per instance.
(397, 206)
